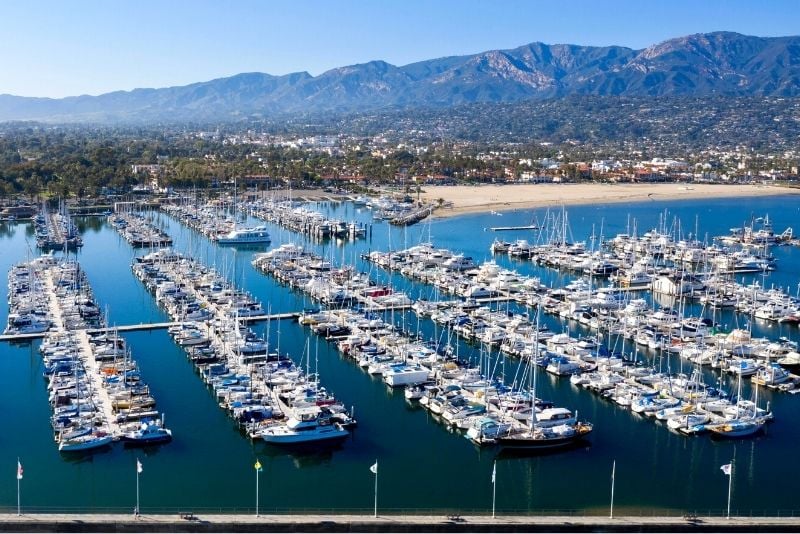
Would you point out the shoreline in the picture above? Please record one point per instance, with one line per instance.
(386, 523)
(501, 198)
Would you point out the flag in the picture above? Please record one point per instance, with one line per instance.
(726, 469)
(19, 470)
(374, 467)
(494, 472)
(257, 466)
(138, 466)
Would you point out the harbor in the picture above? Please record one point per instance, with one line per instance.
(380, 410)
(94, 386)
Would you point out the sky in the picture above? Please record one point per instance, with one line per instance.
(57, 48)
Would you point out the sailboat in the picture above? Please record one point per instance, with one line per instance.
(538, 437)
(742, 425)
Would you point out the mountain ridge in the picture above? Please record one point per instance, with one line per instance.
(717, 63)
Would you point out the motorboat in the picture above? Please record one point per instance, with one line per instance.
(303, 428)
(245, 236)
(148, 433)
(486, 430)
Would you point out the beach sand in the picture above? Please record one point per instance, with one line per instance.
(485, 198)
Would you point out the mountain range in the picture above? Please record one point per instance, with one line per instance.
(719, 63)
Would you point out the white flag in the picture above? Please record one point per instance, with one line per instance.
(726, 469)
(19, 470)
(494, 472)
(374, 467)
(138, 466)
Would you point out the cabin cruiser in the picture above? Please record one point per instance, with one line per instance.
(302, 428)
(148, 433)
(243, 236)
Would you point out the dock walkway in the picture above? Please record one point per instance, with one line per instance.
(138, 327)
(96, 380)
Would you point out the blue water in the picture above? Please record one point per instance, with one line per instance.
(209, 465)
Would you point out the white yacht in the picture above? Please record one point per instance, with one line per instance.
(403, 375)
(307, 429)
(240, 236)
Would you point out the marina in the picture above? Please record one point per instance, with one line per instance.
(381, 409)
(137, 229)
(271, 397)
(55, 230)
(94, 386)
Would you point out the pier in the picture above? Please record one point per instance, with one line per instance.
(510, 228)
(152, 326)
(95, 376)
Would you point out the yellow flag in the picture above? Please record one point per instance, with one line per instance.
(258, 465)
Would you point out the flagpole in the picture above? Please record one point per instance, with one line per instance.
(494, 486)
(613, 471)
(730, 483)
(376, 490)
(257, 492)
(18, 501)
(137, 487)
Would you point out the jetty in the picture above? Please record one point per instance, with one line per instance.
(413, 217)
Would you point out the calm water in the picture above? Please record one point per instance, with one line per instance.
(422, 464)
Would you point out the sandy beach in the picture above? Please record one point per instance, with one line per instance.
(483, 198)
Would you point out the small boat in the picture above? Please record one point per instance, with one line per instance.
(486, 430)
(148, 433)
(85, 442)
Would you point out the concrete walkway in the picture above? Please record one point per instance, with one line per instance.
(366, 523)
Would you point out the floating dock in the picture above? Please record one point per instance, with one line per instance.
(510, 228)
(152, 326)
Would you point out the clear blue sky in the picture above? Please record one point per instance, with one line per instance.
(69, 47)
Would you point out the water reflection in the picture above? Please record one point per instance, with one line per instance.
(302, 456)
